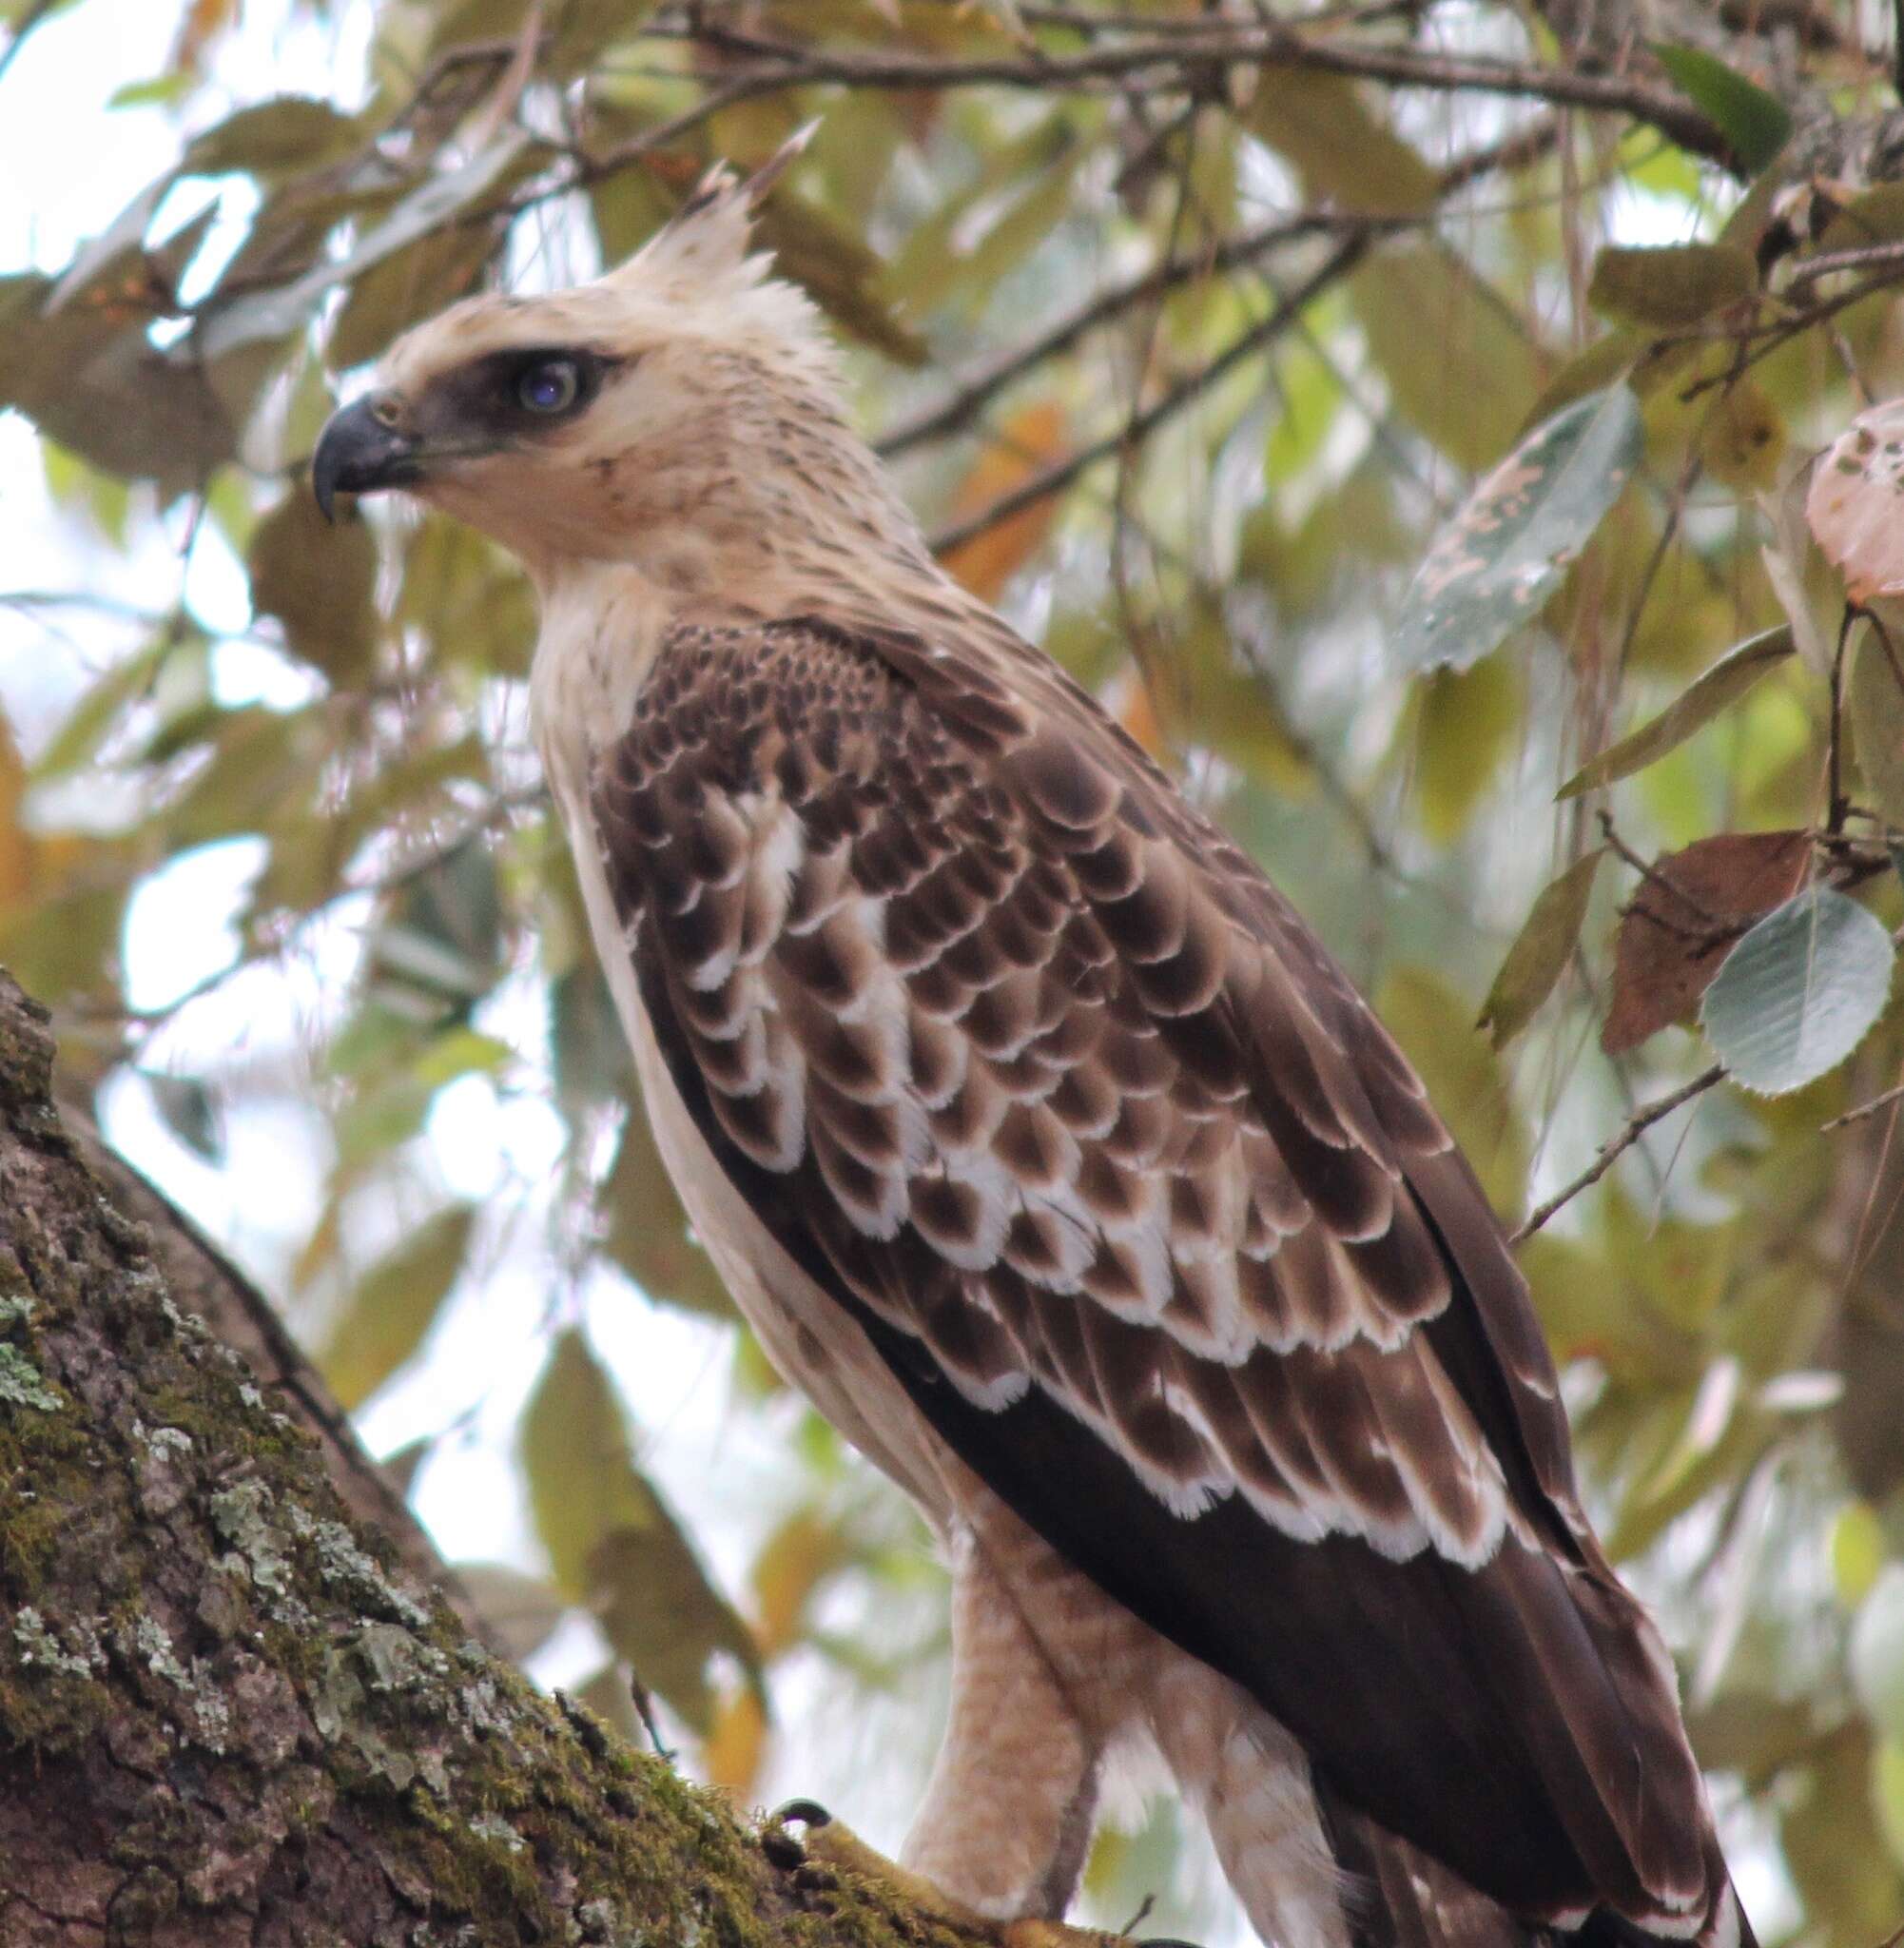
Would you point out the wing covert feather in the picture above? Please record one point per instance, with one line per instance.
(1034, 1073)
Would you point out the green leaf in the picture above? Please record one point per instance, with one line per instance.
(1799, 992)
(292, 134)
(1490, 568)
(404, 289)
(1669, 286)
(437, 950)
(280, 311)
(1857, 1551)
(88, 375)
(841, 274)
(1755, 123)
(319, 581)
(394, 1305)
(1711, 691)
(1540, 951)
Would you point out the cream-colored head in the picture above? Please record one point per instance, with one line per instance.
(681, 414)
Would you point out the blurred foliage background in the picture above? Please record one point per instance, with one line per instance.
(1191, 327)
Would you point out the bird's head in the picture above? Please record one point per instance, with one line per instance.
(681, 414)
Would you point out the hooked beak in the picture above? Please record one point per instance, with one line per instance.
(364, 447)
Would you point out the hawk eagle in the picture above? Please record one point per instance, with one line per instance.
(1053, 1157)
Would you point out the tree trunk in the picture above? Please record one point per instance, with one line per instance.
(230, 1711)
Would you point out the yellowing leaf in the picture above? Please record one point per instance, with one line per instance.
(735, 1745)
(1022, 447)
(792, 1562)
(1466, 720)
(394, 1306)
(1540, 951)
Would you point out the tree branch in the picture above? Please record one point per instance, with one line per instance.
(1180, 58)
(1611, 1150)
(227, 1714)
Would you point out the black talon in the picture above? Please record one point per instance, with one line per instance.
(800, 1813)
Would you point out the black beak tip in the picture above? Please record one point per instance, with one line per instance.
(357, 452)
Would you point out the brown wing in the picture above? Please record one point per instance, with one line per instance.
(1043, 1082)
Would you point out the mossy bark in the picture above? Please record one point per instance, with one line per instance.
(229, 1711)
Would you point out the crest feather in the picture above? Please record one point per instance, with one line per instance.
(706, 241)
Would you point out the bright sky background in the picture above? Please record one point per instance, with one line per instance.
(723, 1468)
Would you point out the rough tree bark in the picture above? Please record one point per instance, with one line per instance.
(229, 1710)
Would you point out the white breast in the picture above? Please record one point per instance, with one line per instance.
(598, 636)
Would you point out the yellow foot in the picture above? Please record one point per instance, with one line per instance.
(824, 1841)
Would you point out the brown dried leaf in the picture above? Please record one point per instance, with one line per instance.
(1686, 917)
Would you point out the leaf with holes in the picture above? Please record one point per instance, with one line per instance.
(1799, 992)
(1857, 499)
(1709, 693)
(1492, 566)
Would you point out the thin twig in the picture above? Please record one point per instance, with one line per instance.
(1232, 253)
(984, 385)
(1611, 1150)
(1865, 257)
(1863, 1109)
(1140, 425)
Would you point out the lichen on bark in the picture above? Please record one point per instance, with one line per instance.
(228, 1714)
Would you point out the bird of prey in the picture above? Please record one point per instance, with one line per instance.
(1049, 1152)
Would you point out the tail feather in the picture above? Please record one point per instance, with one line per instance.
(1397, 1896)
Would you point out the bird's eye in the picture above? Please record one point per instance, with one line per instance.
(549, 387)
